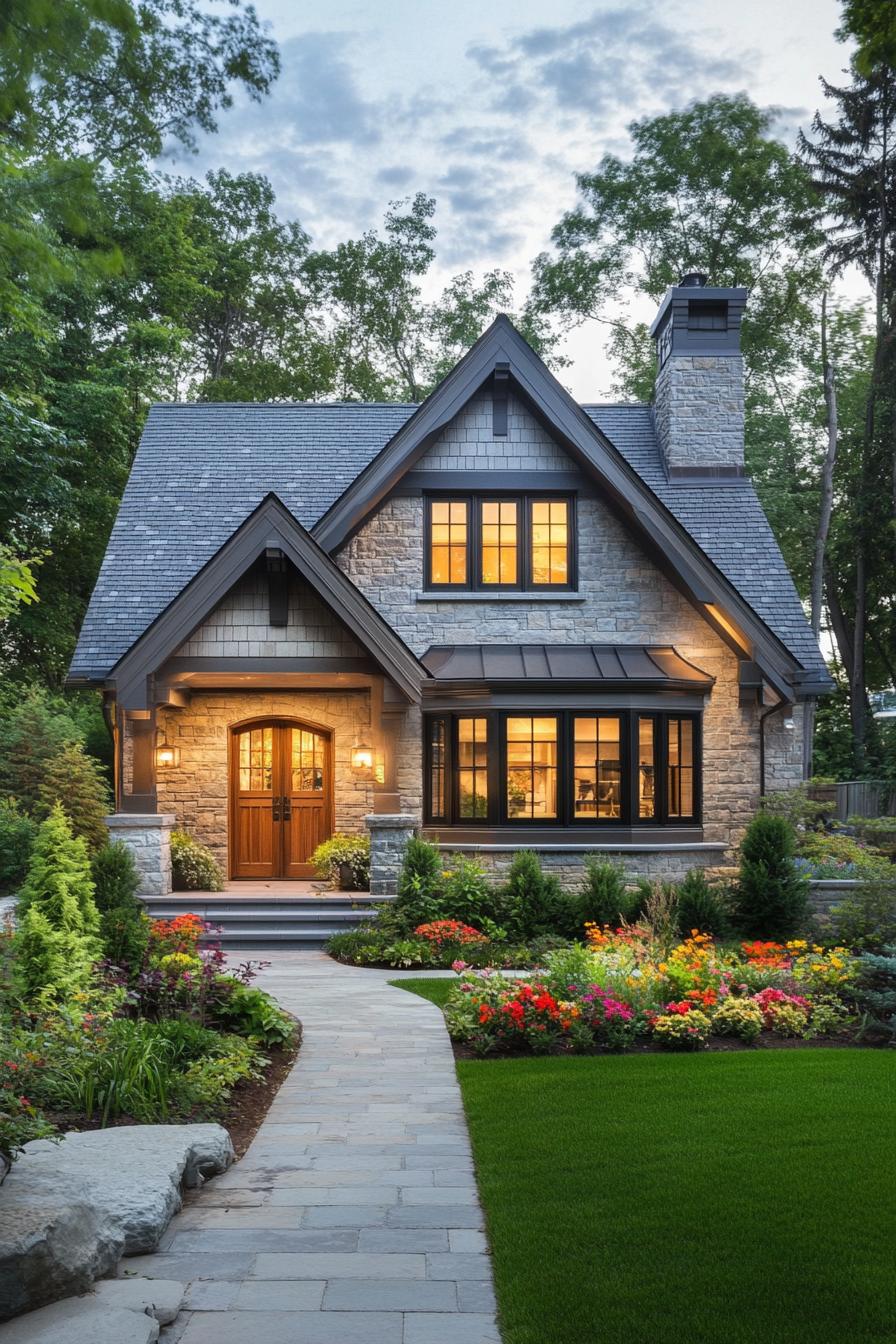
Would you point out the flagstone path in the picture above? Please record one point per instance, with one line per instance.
(354, 1216)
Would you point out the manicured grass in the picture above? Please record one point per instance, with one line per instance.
(742, 1198)
(435, 990)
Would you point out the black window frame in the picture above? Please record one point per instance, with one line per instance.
(497, 813)
(523, 499)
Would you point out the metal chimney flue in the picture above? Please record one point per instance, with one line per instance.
(693, 280)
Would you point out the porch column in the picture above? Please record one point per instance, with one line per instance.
(148, 837)
(388, 836)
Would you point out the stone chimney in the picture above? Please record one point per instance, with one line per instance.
(699, 397)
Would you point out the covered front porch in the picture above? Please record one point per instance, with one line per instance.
(267, 708)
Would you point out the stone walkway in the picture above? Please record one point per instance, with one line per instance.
(354, 1216)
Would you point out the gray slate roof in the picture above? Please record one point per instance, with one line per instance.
(202, 468)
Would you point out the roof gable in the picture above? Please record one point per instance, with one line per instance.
(270, 525)
(664, 538)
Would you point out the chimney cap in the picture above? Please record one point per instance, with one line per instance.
(693, 280)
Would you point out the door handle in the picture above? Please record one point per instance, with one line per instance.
(275, 808)
(287, 808)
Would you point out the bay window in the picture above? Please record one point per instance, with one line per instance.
(573, 768)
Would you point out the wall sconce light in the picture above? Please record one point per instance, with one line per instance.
(167, 756)
(362, 757)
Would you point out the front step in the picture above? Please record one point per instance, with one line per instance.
(262, 921)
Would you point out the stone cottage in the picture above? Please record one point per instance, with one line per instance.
(499, 617)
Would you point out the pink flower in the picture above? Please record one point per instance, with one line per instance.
(458, 966)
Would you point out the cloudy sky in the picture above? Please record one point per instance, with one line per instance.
(493, 107)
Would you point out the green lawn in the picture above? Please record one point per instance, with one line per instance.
(742, 1198)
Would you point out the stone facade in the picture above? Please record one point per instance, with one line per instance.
(622, 598)
(700, 410)
(388, 836)
(149, 840)
(197, 791)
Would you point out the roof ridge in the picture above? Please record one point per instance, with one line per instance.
(282, 405)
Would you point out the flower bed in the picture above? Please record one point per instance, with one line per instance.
(625, 989)
(107, 1017)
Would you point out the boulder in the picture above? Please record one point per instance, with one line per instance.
(70, 1210)
(81, 1320)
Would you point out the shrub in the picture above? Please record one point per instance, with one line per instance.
(58, 880)
(466, 894)
(866, 919)
(699, 907)
(738, 1017)
(770, 896)
(795, 806)
(341, 851)
(875, 990)
(686, 1030)
(124, 925)
(20, 1122)
(252, 1013)
(532, 903)
(840, 856)
(604, 897)
(74, 780)
(17, 832)
(419, 884)
(193, 866)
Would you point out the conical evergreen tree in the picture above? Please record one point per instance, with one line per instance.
(59, 884)
(31, 735)
(75, 780)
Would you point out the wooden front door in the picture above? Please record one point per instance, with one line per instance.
(281, 799)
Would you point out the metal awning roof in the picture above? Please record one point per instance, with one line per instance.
(604, 666)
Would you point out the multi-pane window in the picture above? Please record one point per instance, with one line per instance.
(438, 769)
(499, 549)
(531, 777)
(449, 535)
(549, 541)
(307, 761)
(680, 767)
(570, 768)
(472, 768)
(256, 753)
(483, 543)
(597, 767)
(646, 769)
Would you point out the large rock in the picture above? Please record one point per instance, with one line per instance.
(81, 1320)
(70, 1210)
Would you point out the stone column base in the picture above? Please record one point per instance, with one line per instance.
(148, 837)
(389, 833)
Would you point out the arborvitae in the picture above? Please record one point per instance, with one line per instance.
(419, 884)
(31, 735)
(124, 926)
(699, 907)
(604, 897)
(770, 895)
(75, 780)
(531, 901)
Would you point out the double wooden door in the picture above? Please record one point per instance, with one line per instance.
(281, 799)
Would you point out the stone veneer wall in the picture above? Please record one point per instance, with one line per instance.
(623, 598)
(196, 792)
(699, 402)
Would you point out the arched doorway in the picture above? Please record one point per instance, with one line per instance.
(281, 797)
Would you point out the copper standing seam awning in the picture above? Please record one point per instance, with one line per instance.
(610, 667)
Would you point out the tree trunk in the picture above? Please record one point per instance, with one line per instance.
(827, 475)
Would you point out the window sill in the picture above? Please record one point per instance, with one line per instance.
(516, 595)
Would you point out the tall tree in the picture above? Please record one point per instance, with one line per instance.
(708, 188)
(854, 167)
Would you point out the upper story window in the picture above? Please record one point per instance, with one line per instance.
(488, 542)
